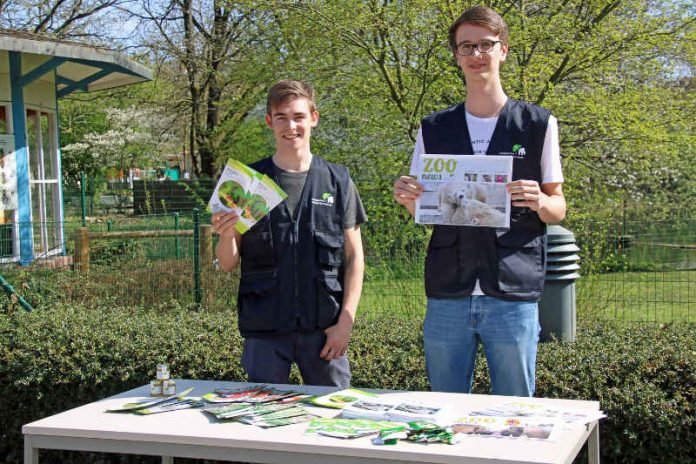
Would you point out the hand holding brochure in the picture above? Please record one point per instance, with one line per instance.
(464, 190)
(250, 194)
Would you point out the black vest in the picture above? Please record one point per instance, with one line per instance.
(292, 270)
(510, 264)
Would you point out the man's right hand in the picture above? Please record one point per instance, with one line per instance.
(223, 223)
(406, 192)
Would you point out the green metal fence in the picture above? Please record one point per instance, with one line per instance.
(631, 272)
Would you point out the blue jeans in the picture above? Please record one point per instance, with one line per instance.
(509, 331)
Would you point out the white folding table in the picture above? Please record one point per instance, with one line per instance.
(191, 433)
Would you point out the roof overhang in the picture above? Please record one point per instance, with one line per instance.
(78, 67)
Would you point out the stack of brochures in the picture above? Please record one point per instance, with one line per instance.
(246, 192)
(261, 415)
(254, 394)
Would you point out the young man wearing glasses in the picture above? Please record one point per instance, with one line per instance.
(482, 283)
(301, 265)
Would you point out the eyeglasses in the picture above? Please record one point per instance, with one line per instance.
(485, 46)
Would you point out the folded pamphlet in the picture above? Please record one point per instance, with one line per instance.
(175, 405)
(384, 408)
(246, 192)
(348, 428)
(342, 398)
(374, 408)
(150, 402)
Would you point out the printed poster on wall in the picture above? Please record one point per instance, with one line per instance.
(8, 173)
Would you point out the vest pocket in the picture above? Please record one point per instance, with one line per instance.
(257, 247)
(257, 301)
(329, 298)
(441, 263)
(520, 262)
(329, 249)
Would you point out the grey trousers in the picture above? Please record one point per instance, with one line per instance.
(268, 359)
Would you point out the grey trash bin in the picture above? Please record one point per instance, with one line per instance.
(557, 305)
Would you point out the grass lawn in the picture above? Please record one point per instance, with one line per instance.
(662, 296)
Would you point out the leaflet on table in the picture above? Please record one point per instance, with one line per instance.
(464, 190)
(535, 428)
(150, 402)
(173, 405)
(384, 408)
(537, 410)
(342, 398)
(349, 428)
(243, 190)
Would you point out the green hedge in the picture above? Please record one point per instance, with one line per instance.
(643, 375)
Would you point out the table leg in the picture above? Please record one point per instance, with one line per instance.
(31, 454)
(167, 460)
(593, 444)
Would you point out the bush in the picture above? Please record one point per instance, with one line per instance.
(644, 376)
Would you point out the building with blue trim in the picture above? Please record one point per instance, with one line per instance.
(35, 72)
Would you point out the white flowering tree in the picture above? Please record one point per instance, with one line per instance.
(134, 137)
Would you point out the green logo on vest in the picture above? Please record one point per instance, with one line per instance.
(519, 151)
(327, 199)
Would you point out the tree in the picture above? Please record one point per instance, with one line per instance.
(66, 19)
(608, 69)
(133, 137)
(222, 55)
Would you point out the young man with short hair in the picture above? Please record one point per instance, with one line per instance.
(483, 284)
(302, 265)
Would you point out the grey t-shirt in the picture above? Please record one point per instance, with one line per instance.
(293, 184)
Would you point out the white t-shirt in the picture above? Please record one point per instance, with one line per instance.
(481, 131)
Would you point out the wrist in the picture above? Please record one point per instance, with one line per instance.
(346, 319)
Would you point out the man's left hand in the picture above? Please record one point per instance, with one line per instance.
(526, 193)
(337, 339)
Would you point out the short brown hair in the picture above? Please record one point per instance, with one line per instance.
(480, 16)
(289, 89)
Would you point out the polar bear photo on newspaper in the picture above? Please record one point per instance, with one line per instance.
(468, 204)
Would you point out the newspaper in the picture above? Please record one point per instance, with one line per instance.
(250, 194)
(534, 428)
(464, 190)
(537, 410)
